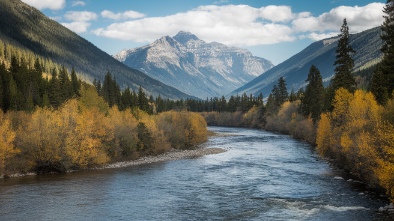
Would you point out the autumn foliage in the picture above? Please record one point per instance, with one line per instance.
(86, 132)
(359, 135)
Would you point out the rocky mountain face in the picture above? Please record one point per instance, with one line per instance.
(195, 67)
(322, 54)
(26, 27)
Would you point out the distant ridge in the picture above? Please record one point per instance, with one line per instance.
(25, 26)
(321, 54)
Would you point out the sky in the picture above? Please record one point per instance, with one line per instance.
(271, 29)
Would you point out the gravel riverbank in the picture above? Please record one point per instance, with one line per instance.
(171, 155)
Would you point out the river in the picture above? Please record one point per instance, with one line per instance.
(261, 176)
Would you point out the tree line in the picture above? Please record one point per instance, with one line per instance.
(112, 93)
(28, 81)
(24, 88)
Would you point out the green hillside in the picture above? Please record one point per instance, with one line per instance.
(367, 45)
(26, 27)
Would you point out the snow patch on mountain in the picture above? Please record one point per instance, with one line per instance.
(194, 66)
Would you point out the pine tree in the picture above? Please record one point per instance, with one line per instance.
(126, 99)
(283, 95)
(275, 95)
(75, 83)
(55, 95)
(379, 86)
(260, 99)
(45, 100)
(313, 100)
(107, 90)
(143, 103)
(232, 106)
(13, 95)
(344, 62)
(382, 84)
(270, 105)
(3, 72)
(160, 104)
(36, 84)
(1, 51)
(65, 84)
(98, 86)
(14, 67)
(6, 77)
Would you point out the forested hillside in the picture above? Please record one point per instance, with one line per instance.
(367, 44)
(51, 121)
(26, 27)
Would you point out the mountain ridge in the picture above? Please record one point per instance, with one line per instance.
(322, 54)
(193, 66)
(26, 27)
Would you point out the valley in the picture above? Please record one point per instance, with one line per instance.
(174, 118)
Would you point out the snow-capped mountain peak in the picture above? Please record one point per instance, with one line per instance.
(194, 66)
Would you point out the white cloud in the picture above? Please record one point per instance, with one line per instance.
(78, 3)
(243, 25)
(81, 16)
(80, 20)
(125, 15)
(358, 19)
(77, 27)
(276, 13)
(230, 24)
(46, 4)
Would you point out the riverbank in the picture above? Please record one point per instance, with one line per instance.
(168, 156)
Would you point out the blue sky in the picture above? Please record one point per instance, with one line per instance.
(272, 29)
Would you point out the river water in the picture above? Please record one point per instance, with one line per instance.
(262, 176)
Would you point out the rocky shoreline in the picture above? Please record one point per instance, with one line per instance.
(168, 156)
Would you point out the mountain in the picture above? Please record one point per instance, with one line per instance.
(24, 26)
(195, 67)
(322, 54)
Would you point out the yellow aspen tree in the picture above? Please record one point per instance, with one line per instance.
(384, 141)
(7, 149)
(41, 141)
(360, 115)
(197, 129)
(363, 111)
(83, 144)
(388, 111)
(173, 128)
(341, 106)
(159, 142)
(91, 100)
(324, 135)
(124, 142)
(367, 157)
